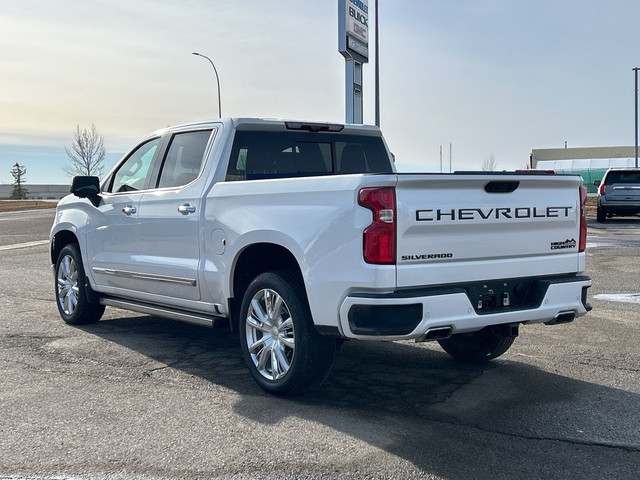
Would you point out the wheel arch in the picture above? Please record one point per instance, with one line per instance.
(252, 261)
(60, 240)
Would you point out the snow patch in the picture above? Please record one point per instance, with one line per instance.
(619, 297)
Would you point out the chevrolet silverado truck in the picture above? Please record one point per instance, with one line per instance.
(303, 235)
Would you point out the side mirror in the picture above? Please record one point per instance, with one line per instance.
(597, 183)
(85, 186)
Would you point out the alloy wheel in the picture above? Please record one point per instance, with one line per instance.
(270, 334)
(67, 280)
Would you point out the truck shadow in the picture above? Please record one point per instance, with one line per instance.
(446, 418)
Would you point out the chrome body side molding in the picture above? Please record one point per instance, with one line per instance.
(146, 276)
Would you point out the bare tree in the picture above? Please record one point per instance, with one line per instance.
(86, 155)
(18, 172)
(489, 164)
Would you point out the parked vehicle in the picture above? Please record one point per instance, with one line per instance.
(618, 193)
(303, 235)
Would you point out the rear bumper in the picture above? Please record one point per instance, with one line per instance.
(620, 206)
(407, 315)
(621, 209)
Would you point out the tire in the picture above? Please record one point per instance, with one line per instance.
(477, 346)
(601, 216)
(72, 289)
(285, 354)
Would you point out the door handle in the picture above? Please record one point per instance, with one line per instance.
(186, 209)
(129, 210)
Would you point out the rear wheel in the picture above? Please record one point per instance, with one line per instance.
(601, 216)
(477, 346)
(73, 290)
(284, 352)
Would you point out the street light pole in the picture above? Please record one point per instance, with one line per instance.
(217, 81)
(635, 70)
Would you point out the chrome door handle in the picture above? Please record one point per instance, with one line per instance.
(129, 210)
(186, 209)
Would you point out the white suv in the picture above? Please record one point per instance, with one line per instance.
(618, 193)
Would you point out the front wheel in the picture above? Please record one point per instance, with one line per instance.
(477, 346)
(284, 352)
(72, 289)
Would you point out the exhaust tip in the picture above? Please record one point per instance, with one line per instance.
(437, 333)
(562, 317)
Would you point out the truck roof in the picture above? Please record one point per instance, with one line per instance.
(242, 123)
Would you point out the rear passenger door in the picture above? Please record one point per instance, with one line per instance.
(169, 220)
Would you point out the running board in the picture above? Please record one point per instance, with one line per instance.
(166, 312)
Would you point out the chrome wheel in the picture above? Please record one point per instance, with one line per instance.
(77, 303)
(270, 334)
(283, 351)
(67, 281)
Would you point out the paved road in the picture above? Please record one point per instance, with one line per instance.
(141, 397)
(24, 227)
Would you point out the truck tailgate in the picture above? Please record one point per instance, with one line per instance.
(471, 227)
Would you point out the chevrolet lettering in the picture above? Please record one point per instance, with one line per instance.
(300, 235)
(430, 215)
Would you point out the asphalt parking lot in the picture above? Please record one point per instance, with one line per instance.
(141, 397)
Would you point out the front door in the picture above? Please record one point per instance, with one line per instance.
(112, 245)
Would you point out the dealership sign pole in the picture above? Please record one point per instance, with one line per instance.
(353, 44)
(636, 99)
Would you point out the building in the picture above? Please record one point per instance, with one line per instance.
(589, 162)
(37, 191)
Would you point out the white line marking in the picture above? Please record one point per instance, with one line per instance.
(16, 246)
(619, 297)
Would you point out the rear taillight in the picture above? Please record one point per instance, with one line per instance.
(601, 189)
(379, 238)
(582, 245)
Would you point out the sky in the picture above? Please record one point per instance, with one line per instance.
(486, 77)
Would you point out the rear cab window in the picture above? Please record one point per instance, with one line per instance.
(260, 155)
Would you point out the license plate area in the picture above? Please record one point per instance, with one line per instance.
(505, 295)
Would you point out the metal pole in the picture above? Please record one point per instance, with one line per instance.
(217, 81)
(377, 68)
(636, 99)
(353, 92)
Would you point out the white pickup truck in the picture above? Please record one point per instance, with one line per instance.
(303, 235)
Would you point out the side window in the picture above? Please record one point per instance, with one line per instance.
(183, 160)
(132, 174)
